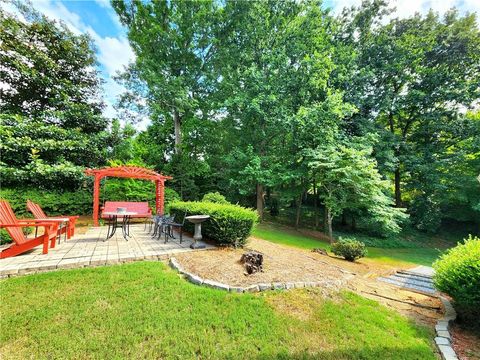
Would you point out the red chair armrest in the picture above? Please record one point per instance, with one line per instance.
(28, 224)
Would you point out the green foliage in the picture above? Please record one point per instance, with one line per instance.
(52, 202)
(51, 123)
(228, 224)
(350, 249)
(349, 179)
(215, 197)
(457, 273)
(409, 84)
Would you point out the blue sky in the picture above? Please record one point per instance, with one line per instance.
(97, 18)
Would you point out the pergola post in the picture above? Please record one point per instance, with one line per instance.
(96, 199)
(159, 196)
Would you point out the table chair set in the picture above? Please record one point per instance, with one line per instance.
(164, 224)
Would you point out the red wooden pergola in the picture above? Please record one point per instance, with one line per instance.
(131, 172)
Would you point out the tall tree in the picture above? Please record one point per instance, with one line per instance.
(349, 179)
(50, 104)
(414, 77)
(172, 41)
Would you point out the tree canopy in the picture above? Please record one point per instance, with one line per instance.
(52, 125)
(361, 117)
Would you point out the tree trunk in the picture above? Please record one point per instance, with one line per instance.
(315, 203)
(329, 222)
(325, 221)
(177, 122)
(260, 201)
(398, 190)
(299, 210)
(344, 219)
(354, 223)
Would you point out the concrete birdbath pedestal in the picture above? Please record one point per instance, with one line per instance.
(197, 236)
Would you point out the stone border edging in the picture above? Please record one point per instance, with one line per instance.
(197, 280)
(444, 338)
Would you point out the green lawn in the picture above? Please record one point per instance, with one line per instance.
(144, 310)
(414, 253)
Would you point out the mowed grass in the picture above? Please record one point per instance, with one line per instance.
(281, 235)
(145, 310)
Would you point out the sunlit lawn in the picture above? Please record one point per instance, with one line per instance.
(417, 255)
(145, 310)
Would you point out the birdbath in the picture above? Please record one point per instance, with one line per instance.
(197, 236)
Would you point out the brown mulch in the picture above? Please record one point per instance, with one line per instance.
(280, 264)
(466, 342)
(288, 264)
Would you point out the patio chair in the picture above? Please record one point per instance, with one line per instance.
(21, 243)
(39, 214)
(158, 221)
(171, 224)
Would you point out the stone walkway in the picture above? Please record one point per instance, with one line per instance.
(417, 279)
(91, 249)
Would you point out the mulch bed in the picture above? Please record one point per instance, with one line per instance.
(280, 264)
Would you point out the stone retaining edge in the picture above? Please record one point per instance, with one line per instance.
(443, 340)
(197, 280)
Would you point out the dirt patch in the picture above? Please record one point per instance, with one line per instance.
(287, 264)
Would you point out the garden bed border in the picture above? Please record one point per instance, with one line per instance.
(197, 280)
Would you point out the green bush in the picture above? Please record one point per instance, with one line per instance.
(457, 273)
(228, 224)
(349, 249)
(52, 202)
(215, 197)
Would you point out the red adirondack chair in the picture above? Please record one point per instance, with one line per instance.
(21, 243)
(39, 214)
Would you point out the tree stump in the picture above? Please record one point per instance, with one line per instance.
(253, 262)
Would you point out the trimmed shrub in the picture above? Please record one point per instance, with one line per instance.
(457, 273)
(215, 197)
(349, 249)
(52, 202)
(228, 224)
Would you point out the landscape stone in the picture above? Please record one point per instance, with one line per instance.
(447, 352)
(251, 288)
(263, 286)
(236, 289)
(441, 327)
(194, 279)
(442, 341)
(216, 285)
(278, 286)
(444, 334)
(289, 285)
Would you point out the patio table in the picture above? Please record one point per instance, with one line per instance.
(63, 221)
(113, 223)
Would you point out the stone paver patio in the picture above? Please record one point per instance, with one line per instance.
(91, 249)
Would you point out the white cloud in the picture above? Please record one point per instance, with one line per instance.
(406, 8)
